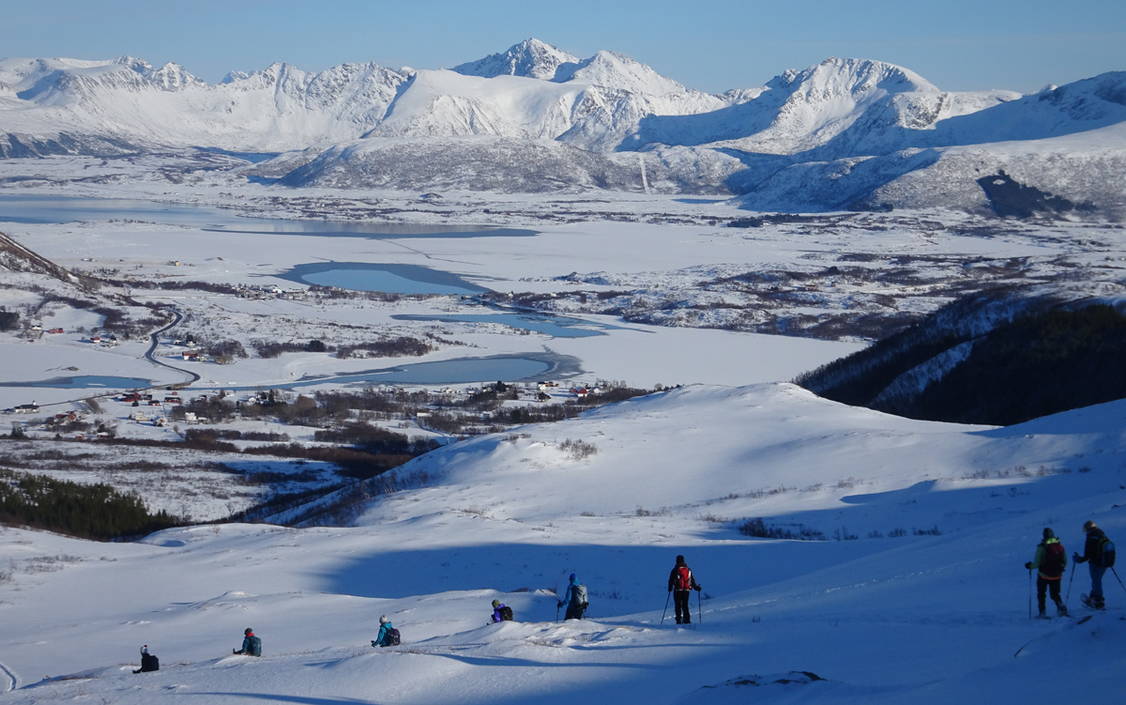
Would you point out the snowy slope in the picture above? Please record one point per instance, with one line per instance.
(506, 164)
(914, 618)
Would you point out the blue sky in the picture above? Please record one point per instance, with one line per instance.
(707, 44)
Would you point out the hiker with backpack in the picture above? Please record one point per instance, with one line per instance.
(388, 635)
(251, 645)
(1099, 554)
(149, 662)
(681, 585)
(575, 598)
(501, 612)
(1050, 563)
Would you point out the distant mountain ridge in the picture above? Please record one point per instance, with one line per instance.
(842, 134)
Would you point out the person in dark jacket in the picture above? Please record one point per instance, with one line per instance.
(1050, 563)
(1093, 557)
(681, 584)
(149, 662)
(251, 645)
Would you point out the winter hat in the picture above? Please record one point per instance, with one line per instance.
(1048, 533)
(1089, 524)
(680, 560)
(496, 603)
(384, 619)
(248, 631)
(573, 578)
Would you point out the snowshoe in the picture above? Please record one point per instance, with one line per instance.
(1092, 603)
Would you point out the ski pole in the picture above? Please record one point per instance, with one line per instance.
(699, 608)
(1116, 577)
(666, 609)
(1071, 581)
(1030, 593)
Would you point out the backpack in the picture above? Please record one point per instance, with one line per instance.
(683, 578)
(392, 637)
(578, 595)
(149, 662)
(1106, 553)
(506, 613)
(255, 646)
(1055, 558)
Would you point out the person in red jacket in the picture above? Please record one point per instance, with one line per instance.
(681, 583)
(1050, 562)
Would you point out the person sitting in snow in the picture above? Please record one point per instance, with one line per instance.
(501, 612)
(388, 635)
(575, 598)
(1051, 562)
(149, 662)
(681, 584)
(251, 645)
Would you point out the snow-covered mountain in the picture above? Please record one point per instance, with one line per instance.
(531, 58)
(845, 133)
(137, 106)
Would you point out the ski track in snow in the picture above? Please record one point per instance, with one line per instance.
(13, 681)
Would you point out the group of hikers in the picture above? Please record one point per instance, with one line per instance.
(575, 597)
(1050, 563)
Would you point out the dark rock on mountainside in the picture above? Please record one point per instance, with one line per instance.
(990, 359)
(1010, 198)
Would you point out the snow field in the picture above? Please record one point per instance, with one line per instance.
(884, 620)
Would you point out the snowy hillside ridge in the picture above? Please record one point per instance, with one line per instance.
(956, 364)
(504, 164)
(916, 594)
(531, 58)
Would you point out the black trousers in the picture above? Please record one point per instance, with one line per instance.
(683, 611)
(574, 611)
(1043, 586)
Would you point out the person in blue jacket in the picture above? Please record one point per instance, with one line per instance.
(501, 612)
(575, 598)
(384, 637)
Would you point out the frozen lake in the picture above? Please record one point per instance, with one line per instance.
(387, 278)
(48, 209)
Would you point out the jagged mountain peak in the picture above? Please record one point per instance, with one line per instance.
(610, 69)
(531, 58)
(836, 76)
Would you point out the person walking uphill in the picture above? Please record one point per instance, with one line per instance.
(1051, 563)
(681, 585)
(251, 645)
(1098, 554)
(575, 598)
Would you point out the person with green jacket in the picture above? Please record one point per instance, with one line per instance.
(1050, 563)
